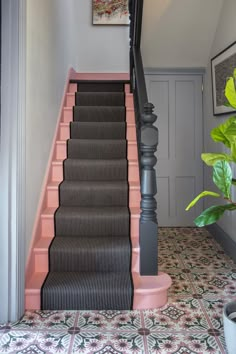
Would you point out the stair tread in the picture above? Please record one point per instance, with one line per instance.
(99, 149)
(100, 124)
(95, 169)
(98, 130)
(99, 113)
(59, 161)
(94, 193)
(77, 241)
(88, 290)
(43, 243)
(49, 212)
(108, 184)
(100, 86)
(102, 184)
(100, 98)
(81, 253)
(98, 210)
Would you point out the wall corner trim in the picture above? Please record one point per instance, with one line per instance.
(12, 159)
(175, 71)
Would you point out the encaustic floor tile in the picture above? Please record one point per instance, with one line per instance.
(109, 320)
(58, 320)
(101, 343)
(16, 341)
(180, 343)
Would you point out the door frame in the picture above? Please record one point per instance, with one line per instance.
(12, 159)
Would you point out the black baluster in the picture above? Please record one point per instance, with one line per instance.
(148, 219)
(131, 40)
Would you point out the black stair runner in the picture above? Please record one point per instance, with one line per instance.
(90, 255)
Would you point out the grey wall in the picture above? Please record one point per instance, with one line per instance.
(225, 35)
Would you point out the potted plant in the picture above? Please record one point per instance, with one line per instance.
(224, 181)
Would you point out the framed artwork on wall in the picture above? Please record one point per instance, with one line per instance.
(222, 67)
(110, 12)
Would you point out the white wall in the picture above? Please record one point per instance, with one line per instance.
(50, 53)
(60, 35)
(178, 33)
(225, 35)
(100, 48)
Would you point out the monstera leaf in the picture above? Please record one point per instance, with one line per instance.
(212, 214)
(222, 177)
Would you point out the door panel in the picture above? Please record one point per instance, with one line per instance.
(178, 104)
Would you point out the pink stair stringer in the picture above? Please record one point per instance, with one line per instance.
(149, 292)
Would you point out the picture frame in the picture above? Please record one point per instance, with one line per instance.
(222, 66)
(110, 12)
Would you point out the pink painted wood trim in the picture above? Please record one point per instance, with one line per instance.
(127, 88)
(73, 88)
(101, 76)
(150, 292)
(42, 203)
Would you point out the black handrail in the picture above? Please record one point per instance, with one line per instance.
(147, 140)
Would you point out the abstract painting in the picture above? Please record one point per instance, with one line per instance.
(222, 66)
(110, 12)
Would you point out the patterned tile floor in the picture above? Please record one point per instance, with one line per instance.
(203, 280)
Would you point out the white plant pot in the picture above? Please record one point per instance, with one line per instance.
(229, 318)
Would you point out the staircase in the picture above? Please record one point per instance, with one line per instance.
(90, 255)
(85, 251)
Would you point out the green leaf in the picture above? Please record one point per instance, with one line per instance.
(222, 177)
(201, 195)
(218, 133)
(233, 151)
(212, 214)
(210, 158)
(231, 130)
(230, 92)
(227, 104)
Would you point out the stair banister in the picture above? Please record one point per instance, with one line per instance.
(147, 139)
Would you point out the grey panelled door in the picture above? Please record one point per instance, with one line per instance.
(178, 104)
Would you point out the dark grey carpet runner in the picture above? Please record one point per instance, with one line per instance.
(90, 255)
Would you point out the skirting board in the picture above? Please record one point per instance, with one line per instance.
(224, 240)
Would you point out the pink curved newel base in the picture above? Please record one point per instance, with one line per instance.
(150, 291)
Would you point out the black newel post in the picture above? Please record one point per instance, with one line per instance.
(148, 218)
(131, 40)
